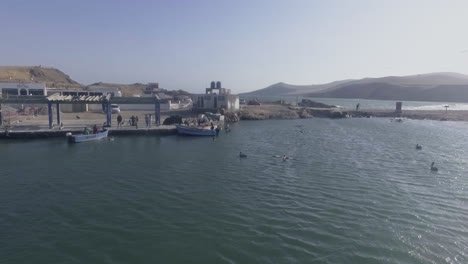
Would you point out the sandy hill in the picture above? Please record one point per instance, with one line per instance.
(50, 76)
(444, 86)
(55, 78)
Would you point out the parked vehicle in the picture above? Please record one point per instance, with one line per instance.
(115, 108)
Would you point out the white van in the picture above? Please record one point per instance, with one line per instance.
(115, 108)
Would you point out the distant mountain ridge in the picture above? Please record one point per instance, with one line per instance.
(443, 86)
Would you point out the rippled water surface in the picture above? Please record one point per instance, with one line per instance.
(355, 191)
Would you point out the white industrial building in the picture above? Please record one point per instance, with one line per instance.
(216, 97)
(104, 90)
(23, 88)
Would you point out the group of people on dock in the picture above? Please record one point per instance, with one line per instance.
(148, 120)
(133, 121)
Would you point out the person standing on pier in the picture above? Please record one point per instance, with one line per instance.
(147, 120)
(119, 121)
(136, 122)
(357, 107)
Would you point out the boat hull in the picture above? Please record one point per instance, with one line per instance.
(194, 131)
(90, 137)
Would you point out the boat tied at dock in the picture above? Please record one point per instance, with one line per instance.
(195, 130)
(87, 137)
(203, 126)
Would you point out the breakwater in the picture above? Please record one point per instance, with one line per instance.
(277, 111)
(258, 112)
(36, 134)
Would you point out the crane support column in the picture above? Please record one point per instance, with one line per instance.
(49, 110)
(157, 113)
(109, 114)
(59, 121)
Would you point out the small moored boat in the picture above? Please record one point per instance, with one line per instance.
(195, 131)
(88, 137)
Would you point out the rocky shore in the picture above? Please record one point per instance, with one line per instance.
(37, 126)
(278, 111)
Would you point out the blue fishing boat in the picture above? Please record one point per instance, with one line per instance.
(88, 137)
(195, 131)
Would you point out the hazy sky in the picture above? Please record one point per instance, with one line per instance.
(245, 44)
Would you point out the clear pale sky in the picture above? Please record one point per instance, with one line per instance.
(245, 44)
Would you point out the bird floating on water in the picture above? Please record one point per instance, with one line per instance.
(433, 168)
(283, 157)
(418, 147)
(242, 155)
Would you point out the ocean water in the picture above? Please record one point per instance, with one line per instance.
(353, 191)
(370, 104)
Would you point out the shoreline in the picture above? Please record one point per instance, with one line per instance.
(35, 128)
(277, 111)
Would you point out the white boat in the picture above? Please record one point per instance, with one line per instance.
(195, 131)
(89, 137)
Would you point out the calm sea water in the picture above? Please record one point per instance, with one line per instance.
(355, 191)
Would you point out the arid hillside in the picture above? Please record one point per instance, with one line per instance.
(54, 78)
(50, 76)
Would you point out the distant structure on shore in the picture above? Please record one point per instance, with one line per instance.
(115, 91)
(23, 88)
(216, 97)
(152, 90)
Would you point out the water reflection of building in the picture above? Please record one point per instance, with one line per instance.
(216, 97)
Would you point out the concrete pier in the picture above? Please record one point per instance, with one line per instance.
(37, 134)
